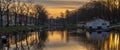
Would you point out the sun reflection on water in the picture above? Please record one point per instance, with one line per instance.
(61, 39)
(112, 43)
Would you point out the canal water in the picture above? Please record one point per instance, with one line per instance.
(64, 40)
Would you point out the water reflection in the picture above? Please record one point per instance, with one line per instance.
(63, 40)
(97, 35)
(113, 42)
(42, 36)
(106, 40)
(45, 40)
(56, 36)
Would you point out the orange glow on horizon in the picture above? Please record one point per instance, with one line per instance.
(55, 12)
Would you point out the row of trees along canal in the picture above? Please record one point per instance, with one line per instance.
(18, 13)
(105, 9)
(26, 13)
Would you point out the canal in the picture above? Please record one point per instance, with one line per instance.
(63, 40)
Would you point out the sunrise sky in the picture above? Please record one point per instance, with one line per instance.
(55, 7)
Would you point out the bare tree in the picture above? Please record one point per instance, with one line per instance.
(8, 2)
(2, 10)
(15, 10)
(41, 14)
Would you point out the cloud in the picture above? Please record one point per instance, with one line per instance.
(71, 4)
(63, 7)
(55, 7)
(61, 3)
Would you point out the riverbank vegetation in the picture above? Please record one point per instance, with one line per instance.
(108, 10)
(18, 28)
(18, 15)
(105, 9)
(21, 15)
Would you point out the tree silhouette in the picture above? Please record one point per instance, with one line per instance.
(42, 15)
(25, 13)
(107, 10)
